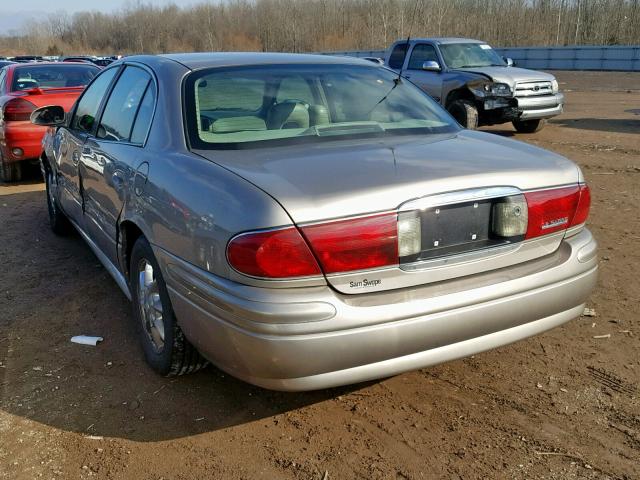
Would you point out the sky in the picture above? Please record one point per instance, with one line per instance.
(13, 15)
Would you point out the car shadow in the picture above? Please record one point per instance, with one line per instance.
(53, 288)
(502, 133)
(617, 125)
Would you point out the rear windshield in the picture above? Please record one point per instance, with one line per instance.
(52, 76)
(263, 105)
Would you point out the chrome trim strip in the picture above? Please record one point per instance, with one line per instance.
(571, 231)
(461, 257)
(378, 213)
(557, 187)
(459, 196)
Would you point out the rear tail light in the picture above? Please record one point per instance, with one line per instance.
(340, 246)
(355, 244)
(17, 109)
(584, 204)
(272, 254)
(556, 209)
(377, 241)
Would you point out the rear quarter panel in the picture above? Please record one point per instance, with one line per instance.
(192, 207)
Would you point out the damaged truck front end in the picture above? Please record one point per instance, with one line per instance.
(494, 101)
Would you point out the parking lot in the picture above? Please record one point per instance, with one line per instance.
(565, 404)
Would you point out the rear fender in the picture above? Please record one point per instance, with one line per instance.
(128, 222)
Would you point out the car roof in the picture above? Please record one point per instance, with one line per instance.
(195, 61)
(44, 64)
(445, 40)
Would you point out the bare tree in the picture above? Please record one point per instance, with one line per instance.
(316, 25)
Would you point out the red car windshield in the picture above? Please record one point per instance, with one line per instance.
(52, 76)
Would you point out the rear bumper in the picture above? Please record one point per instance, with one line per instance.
(545, 106)
(23, 135)
(310, 338)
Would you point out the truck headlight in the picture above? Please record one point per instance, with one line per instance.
(554, 86)
(490, 89)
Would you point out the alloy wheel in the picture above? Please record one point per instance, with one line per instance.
(150, 305)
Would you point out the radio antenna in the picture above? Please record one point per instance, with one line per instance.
(398, 80)
(413, 19)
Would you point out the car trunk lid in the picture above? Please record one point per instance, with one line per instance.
(321, 182)
(40, 97)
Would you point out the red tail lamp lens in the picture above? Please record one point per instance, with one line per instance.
(18, 109)
(556, 209)
(273, 254)
(355, 244)
(582, 212)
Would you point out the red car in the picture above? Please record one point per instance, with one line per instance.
(23, 88)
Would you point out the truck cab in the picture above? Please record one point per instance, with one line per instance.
(475, 84)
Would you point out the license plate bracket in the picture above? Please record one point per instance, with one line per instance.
(455, 229)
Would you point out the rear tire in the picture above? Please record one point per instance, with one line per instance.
(165, 347)
(57, 219)
(529, 126)
(10, 171)
(465, 113)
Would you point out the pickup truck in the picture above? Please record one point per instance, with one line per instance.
(475, 84)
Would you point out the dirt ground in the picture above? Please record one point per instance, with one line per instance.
(562, 405)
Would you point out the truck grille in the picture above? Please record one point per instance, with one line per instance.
(533, 89)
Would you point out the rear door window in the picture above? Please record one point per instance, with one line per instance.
(123, 104)
(145, 113)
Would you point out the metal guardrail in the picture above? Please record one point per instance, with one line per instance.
(357, 53)
(614, 58)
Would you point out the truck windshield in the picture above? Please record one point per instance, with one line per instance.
(470, 55)
(262, 105)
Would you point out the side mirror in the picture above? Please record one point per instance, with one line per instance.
(49, 116)
(431, 66)
(509, 61)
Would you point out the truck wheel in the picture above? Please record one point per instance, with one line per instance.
(529, 126)
(10, 171)
(165, 347)
(57, 219)
(465, 112)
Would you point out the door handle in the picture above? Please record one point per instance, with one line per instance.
(140, 178)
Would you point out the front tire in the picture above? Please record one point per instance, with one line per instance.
(529, 126)
(10, 171)
(465, 113)
(165, 347)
